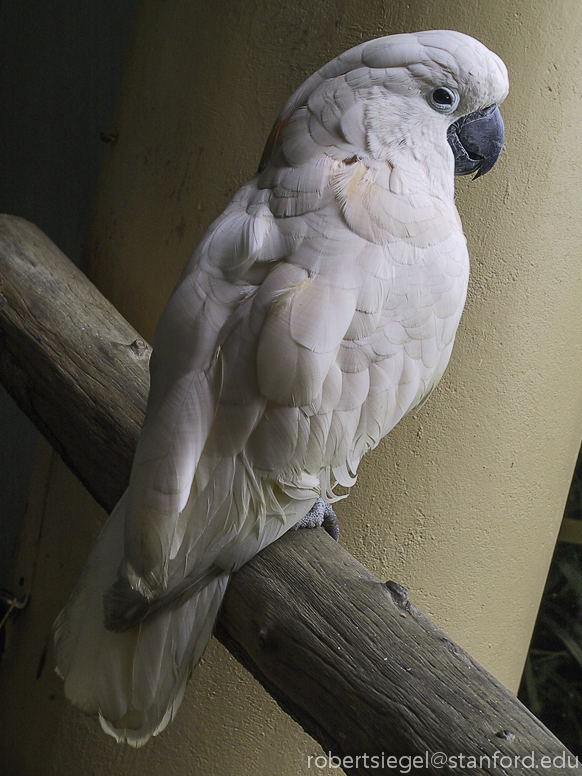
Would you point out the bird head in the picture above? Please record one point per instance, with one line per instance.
(399, 99)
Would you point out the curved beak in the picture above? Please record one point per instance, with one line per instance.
(477, 140)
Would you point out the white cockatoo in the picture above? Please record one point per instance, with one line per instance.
(316, 311)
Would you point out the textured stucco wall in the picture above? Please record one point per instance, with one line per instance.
(463, 501)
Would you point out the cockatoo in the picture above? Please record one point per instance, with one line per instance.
(316, 311)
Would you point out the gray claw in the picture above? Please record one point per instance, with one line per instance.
(321, 513)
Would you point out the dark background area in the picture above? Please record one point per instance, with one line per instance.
(551, 686)
(60, 64)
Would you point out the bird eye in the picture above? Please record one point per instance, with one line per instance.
(443, 99)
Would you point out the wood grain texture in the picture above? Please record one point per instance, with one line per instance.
(348, 656)
(69, 360)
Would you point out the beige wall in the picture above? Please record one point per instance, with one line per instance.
(463, 501)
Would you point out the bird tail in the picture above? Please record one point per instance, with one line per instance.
(135, 679)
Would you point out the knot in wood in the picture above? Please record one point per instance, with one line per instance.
(266, 640)
(506, 735)
(139, 348)
(399, 595)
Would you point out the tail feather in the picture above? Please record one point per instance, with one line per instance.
(178, 637)
(82, 644)
(135, 679)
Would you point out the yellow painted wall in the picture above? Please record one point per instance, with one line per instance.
(463, 501)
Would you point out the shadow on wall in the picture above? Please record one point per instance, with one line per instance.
(59, 69)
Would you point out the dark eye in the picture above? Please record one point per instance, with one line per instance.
(443, 99)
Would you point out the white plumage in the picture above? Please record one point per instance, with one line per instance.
(317, 311)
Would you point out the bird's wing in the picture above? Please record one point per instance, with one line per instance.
(301, 332)
(217, 376)
(186, 376)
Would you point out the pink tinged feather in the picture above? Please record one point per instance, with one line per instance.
(355, 389)
(274, 291)
(299, 190)
(332, 253)
(288, 373)
(354, 357)
(306, 178)
(421, 325)
(430, 352)
(297, 145)
(362, 325)
(321, 315)
(297, 344)
(377, 261)
(382, 217)
(403, 51)
(330, 395)
(241, 238)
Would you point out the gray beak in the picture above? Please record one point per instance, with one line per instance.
(477, 140)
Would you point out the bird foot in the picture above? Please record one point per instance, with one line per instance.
(321, 513)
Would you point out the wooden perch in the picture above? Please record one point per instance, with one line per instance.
(348, 656)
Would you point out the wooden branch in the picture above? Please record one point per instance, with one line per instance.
(350, 658)
(69, 360)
